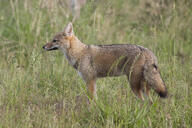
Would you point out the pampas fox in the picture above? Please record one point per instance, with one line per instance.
(96, 61)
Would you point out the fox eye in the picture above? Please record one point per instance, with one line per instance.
(54, 40)
(155, 66)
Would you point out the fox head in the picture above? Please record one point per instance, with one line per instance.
(153, 77)
(61, 40)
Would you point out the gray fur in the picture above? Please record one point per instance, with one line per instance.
(139, 64)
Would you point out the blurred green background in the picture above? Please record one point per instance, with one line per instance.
(39, 89)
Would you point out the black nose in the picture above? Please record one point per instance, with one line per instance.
(43, 47)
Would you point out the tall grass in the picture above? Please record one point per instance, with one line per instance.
(40, 89)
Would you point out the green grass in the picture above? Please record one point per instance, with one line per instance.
(40, 89)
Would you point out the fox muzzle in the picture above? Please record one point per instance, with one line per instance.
(50, 49)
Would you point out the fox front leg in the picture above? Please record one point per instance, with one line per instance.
(146, 90)
(91, 88)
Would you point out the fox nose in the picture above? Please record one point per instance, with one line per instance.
(43, 47)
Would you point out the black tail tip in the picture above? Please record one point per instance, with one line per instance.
(163, 94)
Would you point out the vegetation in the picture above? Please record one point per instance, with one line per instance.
(40, 89)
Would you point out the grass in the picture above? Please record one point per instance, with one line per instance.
(40, 89)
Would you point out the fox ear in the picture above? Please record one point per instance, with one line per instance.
(69, 29)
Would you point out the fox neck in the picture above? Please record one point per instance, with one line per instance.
(76, 46)
(75, 52)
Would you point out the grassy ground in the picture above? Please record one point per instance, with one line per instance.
(40, 89)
